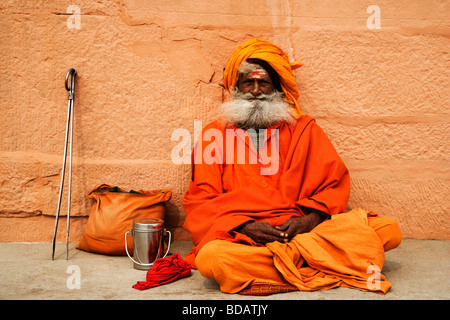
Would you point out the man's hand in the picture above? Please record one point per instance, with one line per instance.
(261, 232)
(299, 225)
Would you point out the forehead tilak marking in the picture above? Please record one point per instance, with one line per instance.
(257, 74)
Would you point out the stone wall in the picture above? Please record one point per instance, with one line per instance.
(375, 76)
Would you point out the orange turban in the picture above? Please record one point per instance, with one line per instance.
(278, 60)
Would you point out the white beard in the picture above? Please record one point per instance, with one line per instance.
(246, 111)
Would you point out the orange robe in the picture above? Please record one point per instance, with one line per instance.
(227, 193)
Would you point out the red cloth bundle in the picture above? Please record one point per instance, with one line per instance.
(165, 270)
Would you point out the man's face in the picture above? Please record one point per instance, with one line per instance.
(255, 103)
(256, 82)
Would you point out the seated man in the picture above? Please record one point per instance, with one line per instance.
(268, 193)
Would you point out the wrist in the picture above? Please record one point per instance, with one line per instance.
(317, 217)
(241, 228)
(314, 220)
(308, 211)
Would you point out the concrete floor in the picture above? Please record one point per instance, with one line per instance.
(418, 269)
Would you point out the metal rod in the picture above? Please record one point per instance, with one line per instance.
(62, 181)
(70, 180)
(69, 125)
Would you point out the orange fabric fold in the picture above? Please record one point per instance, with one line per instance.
(222, 196)
(278, 60)
(237, 237)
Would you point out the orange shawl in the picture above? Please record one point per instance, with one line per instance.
(223, 196)
(278, 60)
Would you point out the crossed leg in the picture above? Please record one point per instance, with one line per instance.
(234, 265)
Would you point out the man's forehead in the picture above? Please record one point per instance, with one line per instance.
(259, 73)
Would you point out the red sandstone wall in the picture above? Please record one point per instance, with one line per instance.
(146, 68)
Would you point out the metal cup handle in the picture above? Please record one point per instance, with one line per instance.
(146, 264)
(168, 243)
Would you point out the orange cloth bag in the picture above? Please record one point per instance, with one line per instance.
(112, 215)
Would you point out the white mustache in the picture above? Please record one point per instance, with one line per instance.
(248, 111)
(250, 96)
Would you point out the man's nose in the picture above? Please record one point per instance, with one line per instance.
(256, 89)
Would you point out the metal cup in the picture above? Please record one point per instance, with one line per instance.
(148, 235)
